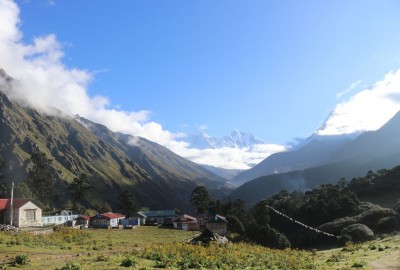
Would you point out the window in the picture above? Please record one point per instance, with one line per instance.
(30, 214)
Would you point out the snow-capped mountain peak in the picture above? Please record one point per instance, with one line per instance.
(236, 139)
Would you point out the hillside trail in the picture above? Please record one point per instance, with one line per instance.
(388, 262)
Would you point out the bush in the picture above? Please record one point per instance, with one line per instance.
(21, 259)
(129, 261)
(358, 264)
(357, 233)
(388, 224)
(72, 266)
(375, 217)
(335, 227)
(371, 217)
(278, 240)
(102, 258)
(269, 237)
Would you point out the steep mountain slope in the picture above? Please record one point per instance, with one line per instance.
(157, 177)
(157, 160)
(370, 151)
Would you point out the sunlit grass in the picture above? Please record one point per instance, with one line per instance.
(154, 248)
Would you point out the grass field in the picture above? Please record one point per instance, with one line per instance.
(154, 248)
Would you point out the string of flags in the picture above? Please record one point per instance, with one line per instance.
(302, 224)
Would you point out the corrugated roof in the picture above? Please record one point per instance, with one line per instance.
(110, 215)
(217, 219)
(185, 218)
(159, 213)
(83, 217)
(3, 204)
(17, 203)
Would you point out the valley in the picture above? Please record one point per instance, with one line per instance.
(328, 203)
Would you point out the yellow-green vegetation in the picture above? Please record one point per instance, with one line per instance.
(89, 249)
(154, 248)
(229, 256)
(378, 254)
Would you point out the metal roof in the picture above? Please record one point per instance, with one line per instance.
(158, 213)
(217, 219)
(109, 215)
(17, 203)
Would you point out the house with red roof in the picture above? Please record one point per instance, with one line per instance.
(186, 222)
(26, 212)
(106, 220)
(82, 221)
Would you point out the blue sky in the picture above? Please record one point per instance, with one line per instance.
(273, 68)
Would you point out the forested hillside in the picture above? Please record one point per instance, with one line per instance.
(155, 176)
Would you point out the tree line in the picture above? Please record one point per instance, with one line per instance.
(40, 184)
(332, 207)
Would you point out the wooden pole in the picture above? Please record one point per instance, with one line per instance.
(11, 204)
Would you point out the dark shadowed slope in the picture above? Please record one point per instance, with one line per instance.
(370, 151)
(314, 153)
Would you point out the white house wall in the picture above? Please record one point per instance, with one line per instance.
(58, 219)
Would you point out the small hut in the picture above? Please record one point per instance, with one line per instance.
(186, 222)
(217, 224)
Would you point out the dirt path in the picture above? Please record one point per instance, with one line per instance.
(389, 262)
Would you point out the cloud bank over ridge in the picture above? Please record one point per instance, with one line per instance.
(44, 82)
(367, 110)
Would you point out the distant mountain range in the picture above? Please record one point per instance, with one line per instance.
(156, 176)
(322, 161)
(236, 139)
(312, 152)
(227, 174)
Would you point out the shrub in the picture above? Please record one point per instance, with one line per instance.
(278, 240)
(372, 216)
(357, 233)
(229, 256)
(335, 258)
(129, 261)
(72, 266)
(336, 226)
(102, 258)
(358, 264)
(21, 259)
(269, 237)
(351, 247)
(388, 224)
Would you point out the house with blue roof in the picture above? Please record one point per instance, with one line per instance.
(158, 217)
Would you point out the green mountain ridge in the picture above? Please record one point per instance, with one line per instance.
(157, 177)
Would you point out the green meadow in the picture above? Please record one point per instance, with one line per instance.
(155, 248)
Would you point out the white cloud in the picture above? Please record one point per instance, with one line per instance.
(228, 157)
(369, 109)
(349, 89)
(45, 83)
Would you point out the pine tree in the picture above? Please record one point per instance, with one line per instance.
(127, 203)
(200, 199)
(40, 179)
(79, 187)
